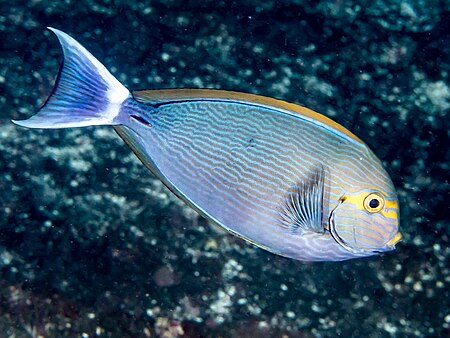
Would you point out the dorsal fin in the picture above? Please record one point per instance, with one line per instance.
(167, 96)
(302, 208)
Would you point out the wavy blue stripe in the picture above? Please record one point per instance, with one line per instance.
(317, 144)
(203, 149)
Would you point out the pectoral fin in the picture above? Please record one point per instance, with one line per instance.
(302, 208)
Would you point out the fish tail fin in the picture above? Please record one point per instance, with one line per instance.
(85, 92)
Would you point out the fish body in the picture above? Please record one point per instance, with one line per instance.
(276, 174)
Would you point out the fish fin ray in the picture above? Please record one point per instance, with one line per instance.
(85, 92)
(302, 208)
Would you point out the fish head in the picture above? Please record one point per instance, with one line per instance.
(366, 221)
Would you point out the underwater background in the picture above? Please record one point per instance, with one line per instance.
(91, 245)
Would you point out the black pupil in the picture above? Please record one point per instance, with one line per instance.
(374, 203)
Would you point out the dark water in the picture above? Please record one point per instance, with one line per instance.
(92, 245)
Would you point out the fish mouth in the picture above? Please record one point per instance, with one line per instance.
(389, 245)
(394, 240)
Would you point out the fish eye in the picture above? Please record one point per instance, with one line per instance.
(373, 202)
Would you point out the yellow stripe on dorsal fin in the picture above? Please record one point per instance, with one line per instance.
(162, 96)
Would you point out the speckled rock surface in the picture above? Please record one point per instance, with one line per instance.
(92, 245)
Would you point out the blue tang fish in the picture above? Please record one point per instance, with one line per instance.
(276, 174)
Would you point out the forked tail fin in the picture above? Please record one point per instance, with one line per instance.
(85, 92)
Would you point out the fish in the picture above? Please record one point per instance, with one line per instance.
(278, 175)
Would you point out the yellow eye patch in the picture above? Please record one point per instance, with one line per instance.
(373, 203)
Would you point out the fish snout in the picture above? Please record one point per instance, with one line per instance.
(360, 231)
(394, 240)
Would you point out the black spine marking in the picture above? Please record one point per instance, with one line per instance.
(141, 119)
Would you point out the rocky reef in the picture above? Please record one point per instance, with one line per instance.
(91, 245)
